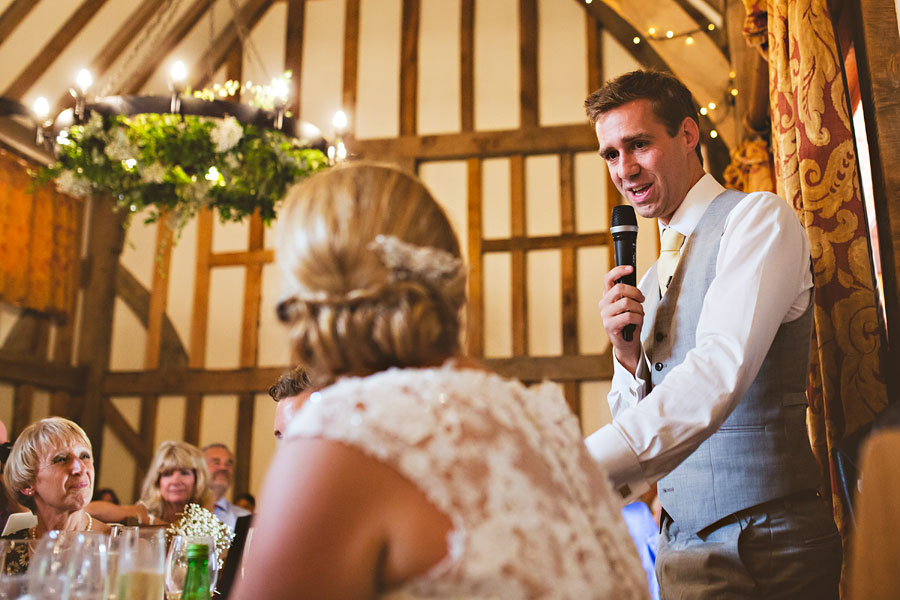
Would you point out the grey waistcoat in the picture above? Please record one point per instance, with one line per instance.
(761, 451)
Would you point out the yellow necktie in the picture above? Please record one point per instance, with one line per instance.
(669, 253)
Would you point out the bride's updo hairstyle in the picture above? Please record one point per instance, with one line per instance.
(372, 273)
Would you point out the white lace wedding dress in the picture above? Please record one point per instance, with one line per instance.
(533, 515)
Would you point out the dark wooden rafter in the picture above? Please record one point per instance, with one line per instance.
(409, 67)
(594, 37)
(467, 65)
(293, 49)
(717, 35)
(519, 228)
(14, 14)
(117, 44)
(214, 57)
(59, 41)
(351, 61)
(455, 146)
(528, 63)
(475, 305)
(41, 374)
(569, 272)
(178, 31)
(624, 33)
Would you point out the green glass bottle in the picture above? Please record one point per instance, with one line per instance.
(196, 579)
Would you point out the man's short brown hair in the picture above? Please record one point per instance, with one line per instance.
(290, 384)
(670, 99)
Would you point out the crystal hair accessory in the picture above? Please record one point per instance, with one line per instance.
(433, 267)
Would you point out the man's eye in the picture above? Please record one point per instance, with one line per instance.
(610, 156)
(640, 144)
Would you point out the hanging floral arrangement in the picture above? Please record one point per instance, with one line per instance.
(176, 165)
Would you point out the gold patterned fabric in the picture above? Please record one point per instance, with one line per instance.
(815, 171)
(751, 167)
(38, 241)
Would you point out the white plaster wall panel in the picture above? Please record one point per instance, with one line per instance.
(447, 183)
(169, 419)
(438, 67)
(590, 193)
(7, 394)
(139, 252)
(274, 348)
(60, 75)
(129, 340)
(219, 423)
(117, 467)
(263, 445)
(181, 275)
(495, 198)
(542, 216)
(26, 40)
(269, 38)
(378, 69)
(592, 266)
(321, 77)
(230, 236)
(562, 61)
(40, 405)
(223, 332)
(497, 305)
(616, 59)
(130, 409)
(8, 317)
(594, 407)
(496, 64)
(544, 303)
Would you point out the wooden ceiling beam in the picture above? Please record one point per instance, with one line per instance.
(215, 56)
(177, 33)
(42, 374)
(59, 41)
(117, 44)
(14, 14)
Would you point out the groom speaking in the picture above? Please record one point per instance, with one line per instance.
(709, 396)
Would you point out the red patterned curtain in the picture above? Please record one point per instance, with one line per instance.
(38, 241)
(816, 171)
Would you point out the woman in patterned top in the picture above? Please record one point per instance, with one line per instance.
(416, 473)
(50, 470)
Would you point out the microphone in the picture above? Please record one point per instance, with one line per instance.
(624, 234)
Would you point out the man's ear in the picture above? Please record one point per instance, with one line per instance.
(690, 133)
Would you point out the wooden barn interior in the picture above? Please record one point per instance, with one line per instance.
(142, 335)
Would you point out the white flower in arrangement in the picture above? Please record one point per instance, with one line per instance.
(73, 185)
(153, 173)
(232, 161)
(226, 134)
(94, 126)
(120, 147)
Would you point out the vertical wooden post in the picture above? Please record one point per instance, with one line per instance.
(569, 270)
(351, 61)
(409, 65)
(518, 256)
(528, 62)
(467, 64)
(293, 49)
(475, 307)
(106, 236)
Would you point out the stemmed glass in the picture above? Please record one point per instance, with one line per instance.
(88, 566)
(176, 563)
(142, 558)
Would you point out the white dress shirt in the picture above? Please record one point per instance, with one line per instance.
(228, 513)
(763, 279)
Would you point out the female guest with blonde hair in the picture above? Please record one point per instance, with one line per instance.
(177, 477)
(50, 470)
(416, 473)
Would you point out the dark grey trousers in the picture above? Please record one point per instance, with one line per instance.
(783, 549)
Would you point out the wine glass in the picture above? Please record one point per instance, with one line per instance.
(176, 563)
(49, 565)
(88, 570)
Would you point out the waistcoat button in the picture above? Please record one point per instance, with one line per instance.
(658, 366)
(659, 337)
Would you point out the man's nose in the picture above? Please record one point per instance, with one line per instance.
(628, 168)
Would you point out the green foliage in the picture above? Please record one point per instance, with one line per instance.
(178, 165)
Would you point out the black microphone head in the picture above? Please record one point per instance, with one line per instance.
(623, 214)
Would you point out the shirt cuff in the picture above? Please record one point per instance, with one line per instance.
(618, 460)
(635, 383)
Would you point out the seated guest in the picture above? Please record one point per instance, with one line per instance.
(290, 392)
(177, 477)
(106, 495)
(51, 471)
(220, 466)
(416, 473)
(247, 501)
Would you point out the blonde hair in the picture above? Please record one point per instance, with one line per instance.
(21, 468)
(350, 309)
(173, 456)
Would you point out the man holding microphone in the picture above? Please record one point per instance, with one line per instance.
(708, 394)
